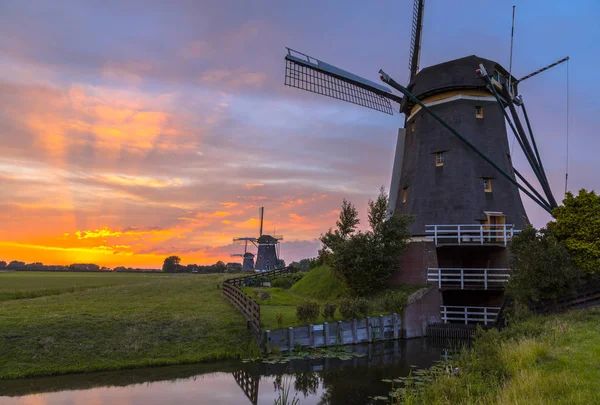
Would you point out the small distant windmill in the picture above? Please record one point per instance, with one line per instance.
(248, 258)
(267, 257)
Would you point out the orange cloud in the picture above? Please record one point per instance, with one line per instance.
(253, 185)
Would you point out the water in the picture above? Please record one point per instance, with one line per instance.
(317, 381)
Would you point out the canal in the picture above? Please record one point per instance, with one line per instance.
(331, 381)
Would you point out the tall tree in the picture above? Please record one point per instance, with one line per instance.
(366, 260)
(2, 264)
(542, 267)
(577, 223)
(171, 264)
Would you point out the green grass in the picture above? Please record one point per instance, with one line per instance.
(320, 285)
(143, 320)
(542, 360)
(22, 285)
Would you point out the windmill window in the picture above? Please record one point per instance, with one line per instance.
(404, 194)
(412, 126)
(439, 159)
(478, 111)
(487, 184)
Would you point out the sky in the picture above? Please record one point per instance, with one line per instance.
(132, 130)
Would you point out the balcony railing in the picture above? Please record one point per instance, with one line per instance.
(474, 234)
(469, 315)
(468, 279)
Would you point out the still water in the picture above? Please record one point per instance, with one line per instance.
(316, 381)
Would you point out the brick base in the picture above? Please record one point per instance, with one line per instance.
(417, 257)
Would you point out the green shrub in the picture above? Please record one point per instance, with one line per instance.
(354, 308)
(394, 301)
(329, 310)
(279, 318)
(286, 280)
(308, 311)
(262, 294)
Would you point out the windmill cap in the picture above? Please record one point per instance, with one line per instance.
(457, 74)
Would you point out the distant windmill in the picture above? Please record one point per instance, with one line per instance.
(268, 249)
(452, 165)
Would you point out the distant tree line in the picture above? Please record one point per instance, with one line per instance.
(172, 264)
(76, 267)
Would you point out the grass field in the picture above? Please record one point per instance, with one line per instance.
(319, 285)
(538, 361)
(83, 322)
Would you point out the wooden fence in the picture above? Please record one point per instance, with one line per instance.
(249, 308)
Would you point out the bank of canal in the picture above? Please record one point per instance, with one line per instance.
(330, 381)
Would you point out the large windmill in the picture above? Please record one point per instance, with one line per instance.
(267, 256)
(452, 166)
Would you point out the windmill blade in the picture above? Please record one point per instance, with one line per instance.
(261, 214)
(415, 38)
(537, 72)
(237, 255)
(307, 73)
(241, 241)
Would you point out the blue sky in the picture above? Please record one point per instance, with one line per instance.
(171, 118)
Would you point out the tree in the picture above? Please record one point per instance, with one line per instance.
(577, 224)
(366, 260)
(15, 265)
(220, 267)
(542, 268)
(2, 264)
(171, 264)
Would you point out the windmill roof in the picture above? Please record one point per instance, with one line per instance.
(267, 239)
(452, 75)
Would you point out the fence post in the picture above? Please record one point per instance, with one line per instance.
(291, 338)
(369, 331)
(439, 277)
(444, 315)
(311, 335)
(435, 234)
(481, 234)
(466, 316)
(340, 332)
(326, 333)
(268, 341)
(459, 238)
(354, 331)
(485, 316)
(395, 325)
(485, 278)
(381, 328)
(462, 279)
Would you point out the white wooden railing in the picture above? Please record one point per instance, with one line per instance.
(468, 278)
(468, 315)
(473, 234)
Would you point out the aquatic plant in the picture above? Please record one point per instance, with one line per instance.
(284, 394)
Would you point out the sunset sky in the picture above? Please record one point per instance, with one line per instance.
(131, 130)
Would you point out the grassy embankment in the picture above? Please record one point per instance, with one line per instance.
(84, 322)
(541, 360)
(319, 285)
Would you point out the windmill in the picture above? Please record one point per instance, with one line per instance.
(267, 256)
(247, 257)
(452, 163)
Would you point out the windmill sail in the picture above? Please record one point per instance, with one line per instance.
(415, 38)
(310, 74)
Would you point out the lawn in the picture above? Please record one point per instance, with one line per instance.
(541, 360)
(319, 285)
(113, 321)
(20, 285)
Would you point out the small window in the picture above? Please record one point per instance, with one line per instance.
(439, 159)
(404, 194)
(412, 126)
(487, 184)
(478, 111)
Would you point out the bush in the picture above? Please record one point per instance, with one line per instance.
(329, 310)
(354, 308)
(262, 294)
(279, 318)
(308, 311)
(394, 301)
(287, 280)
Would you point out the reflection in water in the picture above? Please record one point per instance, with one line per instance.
(316, 381)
